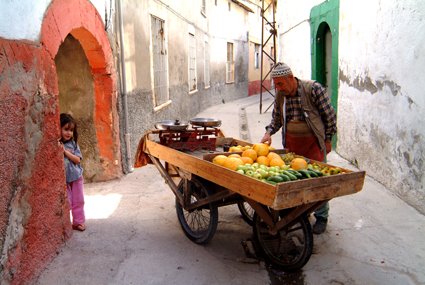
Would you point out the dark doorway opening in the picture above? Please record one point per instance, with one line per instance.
(324, 56)
(77, 97)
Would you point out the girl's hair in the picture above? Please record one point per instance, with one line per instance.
(68, 119)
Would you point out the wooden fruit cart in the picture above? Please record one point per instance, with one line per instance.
(282, 232)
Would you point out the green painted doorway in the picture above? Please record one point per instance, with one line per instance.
(324, 27)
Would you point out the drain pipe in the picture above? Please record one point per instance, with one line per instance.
(123, 85)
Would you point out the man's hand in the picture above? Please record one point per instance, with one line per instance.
(328, 145)
(267, 138)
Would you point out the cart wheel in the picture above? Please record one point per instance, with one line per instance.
(247, 212)
(290, 248)
(199, 225)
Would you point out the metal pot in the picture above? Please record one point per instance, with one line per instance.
(205, 122)
(171, 125)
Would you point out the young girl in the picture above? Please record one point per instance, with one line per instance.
(73, 170)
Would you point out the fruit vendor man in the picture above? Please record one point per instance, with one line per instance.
(302, 108)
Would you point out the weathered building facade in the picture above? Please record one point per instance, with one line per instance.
(260, 38)
(117, 67)
(180, 58)
(371, 55)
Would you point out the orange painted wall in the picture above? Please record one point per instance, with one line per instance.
(33, 181)
(34, 218)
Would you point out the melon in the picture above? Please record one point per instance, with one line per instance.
(250, 153)
(232, 163)
(263, 160)
(246, 160)
(261, 149)
(219, 159)
(299, 163)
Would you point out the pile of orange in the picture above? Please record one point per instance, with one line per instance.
(231, 162)
(259, 153)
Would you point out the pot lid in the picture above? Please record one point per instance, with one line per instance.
(173, 125)
(205, 122)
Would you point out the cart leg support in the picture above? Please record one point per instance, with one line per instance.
(167, 178)
(267, 217)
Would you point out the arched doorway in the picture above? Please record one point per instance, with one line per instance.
(73, 34)
(324, 24)
(324, 56)
(76, 97)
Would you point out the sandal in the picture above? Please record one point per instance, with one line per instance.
(79, 227)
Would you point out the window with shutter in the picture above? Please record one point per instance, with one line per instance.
(230, 64)
(192, 63)
(160, 62)
(207, 65)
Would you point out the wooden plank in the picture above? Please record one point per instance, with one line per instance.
(217, 196)
(168, 179)
(291, 216)
(220, 141)
(317, 189)
(240, 142)
(244, 185)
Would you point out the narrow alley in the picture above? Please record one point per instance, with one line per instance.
(133, 235)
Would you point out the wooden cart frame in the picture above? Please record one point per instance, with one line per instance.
(280, 210)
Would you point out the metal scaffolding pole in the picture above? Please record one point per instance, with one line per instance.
(268, 33)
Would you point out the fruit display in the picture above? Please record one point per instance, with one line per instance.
(288, 157)
(260, 163)
(326, 170)
(262, 149)
(250, 153)
(239, 148)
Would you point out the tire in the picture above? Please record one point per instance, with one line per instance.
(198, 225)
(247, 212)
(288, 250)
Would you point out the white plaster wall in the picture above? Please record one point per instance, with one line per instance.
(381, 102)
(106, 10)
(22, 19)
(294, 35)
(225, 25)
(255, 20)
(381, 98)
